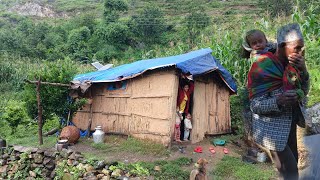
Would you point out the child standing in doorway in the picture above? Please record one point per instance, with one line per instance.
(177, 127)
(186, 88)
(187, 127)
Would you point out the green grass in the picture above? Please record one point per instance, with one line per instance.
(233, 168)
(228, 138)
(169, 169)
(33, 141)
(114, 144)
(100, 146)
(314, 94)
(91, 155)
(143, 147)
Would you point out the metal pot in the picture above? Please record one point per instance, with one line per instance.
(62, 144)
(98, 135)
(262, 157)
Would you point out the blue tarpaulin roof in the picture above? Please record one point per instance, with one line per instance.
(195, 62)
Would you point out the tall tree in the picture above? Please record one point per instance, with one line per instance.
(149, 24)
(113, 8)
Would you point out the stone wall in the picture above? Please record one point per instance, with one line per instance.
(314, 119)
(17, 162)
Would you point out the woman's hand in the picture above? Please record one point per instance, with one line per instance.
(288, 98)
(298, 60)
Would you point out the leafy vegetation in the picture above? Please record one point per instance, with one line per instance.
(124, 31)
(196, 22)
(167, 169)
(54, 99)
(63, 167)
(14, 114)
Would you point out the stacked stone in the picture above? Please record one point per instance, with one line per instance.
(313, 123)
(32, 163)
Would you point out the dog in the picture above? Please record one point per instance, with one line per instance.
(200, 173)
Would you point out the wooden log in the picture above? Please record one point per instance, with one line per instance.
(52, 131)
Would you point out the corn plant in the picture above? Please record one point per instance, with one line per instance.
(309, 21)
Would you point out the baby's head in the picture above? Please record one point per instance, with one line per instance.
(189, 116)
(256, 39)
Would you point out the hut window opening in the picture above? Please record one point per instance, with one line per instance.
(117, 85)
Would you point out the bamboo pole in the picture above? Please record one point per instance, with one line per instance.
(39, 112)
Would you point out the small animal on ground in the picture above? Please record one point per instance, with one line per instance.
(201, 172)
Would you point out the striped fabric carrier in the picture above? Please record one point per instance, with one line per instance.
(265, 75)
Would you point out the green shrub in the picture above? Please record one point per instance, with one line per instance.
(15, 114)
(8, 76)
(112, 9)
(53, 122)
(54, 99)
(78, 43)
(149, 24)
(237, 113)
(107, 53)
(5, 129)
(117, 33)
(25, 130)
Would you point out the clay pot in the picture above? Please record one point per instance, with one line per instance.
(71, 133)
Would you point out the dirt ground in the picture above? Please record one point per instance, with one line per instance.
(129, 157)
(304, 161)
(111, 154)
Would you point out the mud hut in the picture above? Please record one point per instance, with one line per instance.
(140, 99)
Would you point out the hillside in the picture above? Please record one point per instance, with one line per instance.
(53, 40)
(221, 11)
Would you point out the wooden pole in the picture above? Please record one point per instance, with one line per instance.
(47, 83)
(90, 115)
(90, 121)
(39, 112)
(68, 118)
(38, 83)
